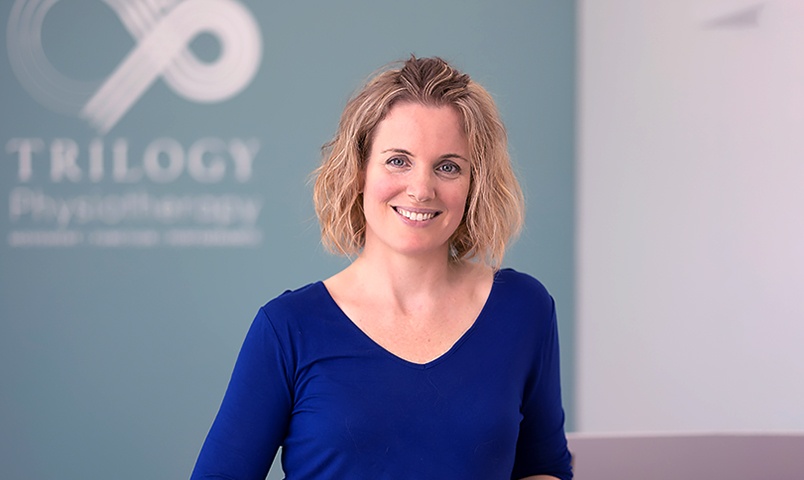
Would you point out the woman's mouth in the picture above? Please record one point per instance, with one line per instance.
(416, 216)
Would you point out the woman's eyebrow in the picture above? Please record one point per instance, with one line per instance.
(405, 152)
(454, 155)
(398, 150)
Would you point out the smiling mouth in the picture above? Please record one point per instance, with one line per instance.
(416, 216)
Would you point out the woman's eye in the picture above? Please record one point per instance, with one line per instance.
(396, 162)
(449, 168)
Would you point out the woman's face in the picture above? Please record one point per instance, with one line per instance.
(416, 180)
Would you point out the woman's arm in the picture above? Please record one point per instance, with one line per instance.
(248, 429)
(542, 444)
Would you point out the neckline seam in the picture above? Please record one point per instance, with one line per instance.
(408, 363)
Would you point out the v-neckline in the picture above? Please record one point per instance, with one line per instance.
(430, 363)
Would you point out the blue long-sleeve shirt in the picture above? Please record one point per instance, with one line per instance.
(343, 407)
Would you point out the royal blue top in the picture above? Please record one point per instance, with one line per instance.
(343, 407)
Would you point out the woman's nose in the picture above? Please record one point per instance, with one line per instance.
(421, 185)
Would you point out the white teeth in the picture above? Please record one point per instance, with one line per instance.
(417, 217)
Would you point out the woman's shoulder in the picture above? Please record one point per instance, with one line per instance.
(298, 302)
(517, 282)
(296, 297)
(304, 314)
(515, 291)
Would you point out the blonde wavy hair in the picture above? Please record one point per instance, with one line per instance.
(495, 205)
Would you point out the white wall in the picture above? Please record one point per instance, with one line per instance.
(691, 216)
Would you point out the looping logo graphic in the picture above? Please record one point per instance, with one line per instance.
(163, 31)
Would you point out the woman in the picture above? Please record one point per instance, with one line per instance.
(421, 359)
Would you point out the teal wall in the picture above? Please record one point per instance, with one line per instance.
(116, 347)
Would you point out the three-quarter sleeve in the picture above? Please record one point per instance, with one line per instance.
(542, 444)
(254, 413)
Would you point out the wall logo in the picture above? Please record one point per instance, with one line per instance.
(162, 30)
(104, 191)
